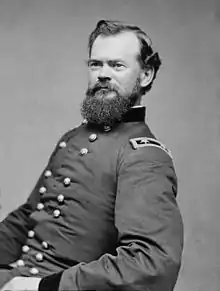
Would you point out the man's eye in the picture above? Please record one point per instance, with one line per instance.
(118, 66)
(94, 64)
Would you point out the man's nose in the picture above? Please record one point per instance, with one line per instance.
(103, 79)
(104, 74)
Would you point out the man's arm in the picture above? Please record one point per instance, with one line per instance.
(150, 230)
(14, 228)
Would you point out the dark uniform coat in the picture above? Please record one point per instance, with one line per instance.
(103, 214)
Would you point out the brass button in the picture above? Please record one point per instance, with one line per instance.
(31, 233)
(48, 173)
(107, 128)
(66, 181)
(39, 257)
(20, 263)
(84, 151)
(40, 206)
(56, 213)
(42, 190)
(25, 248)
(44, 244)
(34, 271)
(60, 198)
(62, 144)
(93, 137)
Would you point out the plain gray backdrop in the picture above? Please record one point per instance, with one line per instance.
(43, 46)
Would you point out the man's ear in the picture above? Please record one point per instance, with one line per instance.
(146, 76)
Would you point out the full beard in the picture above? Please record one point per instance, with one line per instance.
(104, 105)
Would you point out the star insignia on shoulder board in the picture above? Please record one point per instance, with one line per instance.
(139, 142)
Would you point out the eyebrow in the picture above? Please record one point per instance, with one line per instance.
(108, 61)
(93, 60)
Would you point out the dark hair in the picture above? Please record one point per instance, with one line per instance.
(147, 57)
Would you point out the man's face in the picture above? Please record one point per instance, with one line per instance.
(113, 78)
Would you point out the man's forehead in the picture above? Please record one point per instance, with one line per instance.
(122, 45)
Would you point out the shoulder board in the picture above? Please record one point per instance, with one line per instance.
(139, 142)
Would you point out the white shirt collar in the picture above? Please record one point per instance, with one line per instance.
(136, 106)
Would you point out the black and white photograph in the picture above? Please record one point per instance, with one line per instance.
(109, 145)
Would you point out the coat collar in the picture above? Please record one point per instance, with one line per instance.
(135, 114)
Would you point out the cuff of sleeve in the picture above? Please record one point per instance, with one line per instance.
(51, 282)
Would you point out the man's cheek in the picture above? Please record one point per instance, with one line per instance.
(91, 82)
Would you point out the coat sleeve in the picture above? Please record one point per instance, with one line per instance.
(14, 228)
(150, 231)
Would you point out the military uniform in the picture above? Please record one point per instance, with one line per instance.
(103, 214)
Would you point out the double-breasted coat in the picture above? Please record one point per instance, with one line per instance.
(103, 214)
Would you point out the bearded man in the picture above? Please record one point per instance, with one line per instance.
(103, 214)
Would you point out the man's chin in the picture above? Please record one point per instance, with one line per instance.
(104, 94)
(106, 106)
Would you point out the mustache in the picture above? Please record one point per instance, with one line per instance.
(100, 85)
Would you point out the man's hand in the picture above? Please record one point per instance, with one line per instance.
(22, 284)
